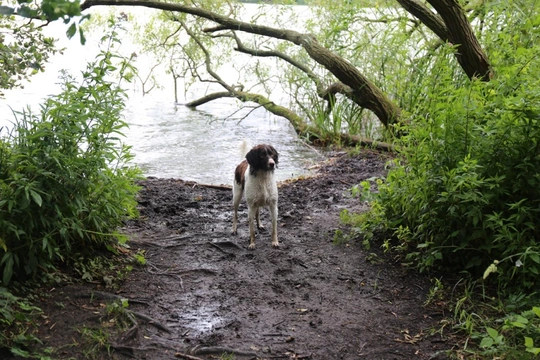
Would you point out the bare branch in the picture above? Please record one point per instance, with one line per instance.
(208, 60)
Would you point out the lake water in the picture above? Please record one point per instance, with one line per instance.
(170, 140)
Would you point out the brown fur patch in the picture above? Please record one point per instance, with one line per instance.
(239, 174)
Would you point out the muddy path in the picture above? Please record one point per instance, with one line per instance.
(203, 293)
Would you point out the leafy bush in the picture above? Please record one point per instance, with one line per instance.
(65, 185)
(465, 192)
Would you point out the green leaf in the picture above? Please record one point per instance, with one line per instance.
(529, 342)
(486, 342)
(19, 352)
(534, 257)
(82, 37)
(8, 270)
(25, 11)
(534, 350)
(36, 197)
(492, 332)
(71, 31)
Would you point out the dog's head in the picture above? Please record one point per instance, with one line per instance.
(263, 157)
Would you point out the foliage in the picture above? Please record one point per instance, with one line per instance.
(514, 336)
(17, 324)
(465, 192)
(24, 50)
(65, 185)
(48, 10)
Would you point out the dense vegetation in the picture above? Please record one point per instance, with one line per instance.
(65, 185)
(452, 85)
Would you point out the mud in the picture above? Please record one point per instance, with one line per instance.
(203, 294)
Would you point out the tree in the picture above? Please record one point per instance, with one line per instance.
(449, 23)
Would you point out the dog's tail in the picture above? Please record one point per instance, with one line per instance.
(244, 146)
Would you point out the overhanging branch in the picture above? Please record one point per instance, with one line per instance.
(366, 94)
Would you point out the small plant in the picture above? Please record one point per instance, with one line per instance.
(139, 257)
(94, 341)
(437, 292)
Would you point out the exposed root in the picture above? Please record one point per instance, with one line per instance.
(220, 350)
(151, 321)
(106, 295)
(222, 245)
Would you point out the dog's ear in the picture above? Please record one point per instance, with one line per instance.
(274, 154)
(252, 158)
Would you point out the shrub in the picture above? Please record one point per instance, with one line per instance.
(65, 185)
(465, 191)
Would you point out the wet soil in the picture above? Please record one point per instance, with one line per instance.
(203, 294)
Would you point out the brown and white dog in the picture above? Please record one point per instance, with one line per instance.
(254, 176)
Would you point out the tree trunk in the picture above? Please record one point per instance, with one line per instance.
(470, 55)
(451, 25)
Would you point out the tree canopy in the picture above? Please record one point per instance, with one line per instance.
(449, 23)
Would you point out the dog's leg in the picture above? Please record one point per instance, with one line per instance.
(274, 215)
(258, 217)
(252, 214)
(237, 197)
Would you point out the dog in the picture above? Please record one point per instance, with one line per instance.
(254, 176)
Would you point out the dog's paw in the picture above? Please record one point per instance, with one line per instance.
(275, 244)
(234, 232)
(261, 228)
(251, 246)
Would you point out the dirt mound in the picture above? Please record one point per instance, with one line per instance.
(204, 294)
